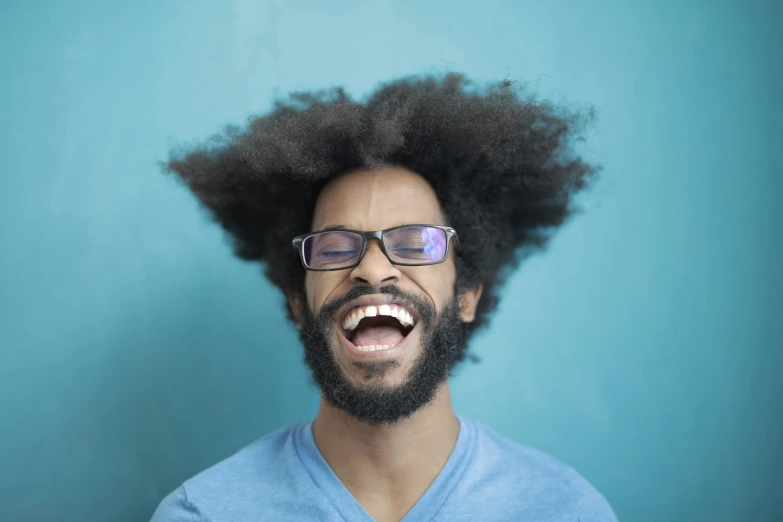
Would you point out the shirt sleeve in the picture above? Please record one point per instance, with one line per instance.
(176, 508)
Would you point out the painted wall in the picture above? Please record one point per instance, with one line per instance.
(644, 347)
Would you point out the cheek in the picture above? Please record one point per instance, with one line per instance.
(311, 290)
(319, 286)
(437, 281)
(450, 270)
(447, 271)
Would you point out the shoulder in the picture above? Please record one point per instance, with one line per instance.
(536, 481)
(256, 462)
(244, 483)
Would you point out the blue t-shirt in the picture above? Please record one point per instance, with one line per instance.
(283, 477)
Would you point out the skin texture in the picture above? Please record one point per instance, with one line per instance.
(386, 467)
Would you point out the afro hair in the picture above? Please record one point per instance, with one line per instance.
(501, 162)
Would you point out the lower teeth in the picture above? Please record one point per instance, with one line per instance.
(375, 347)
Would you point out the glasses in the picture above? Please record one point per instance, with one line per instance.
(406, 245)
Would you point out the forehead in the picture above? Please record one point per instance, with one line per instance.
(377, 199)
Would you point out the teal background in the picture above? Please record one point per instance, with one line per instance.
(643, 347)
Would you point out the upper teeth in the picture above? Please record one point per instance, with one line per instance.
(402, 315)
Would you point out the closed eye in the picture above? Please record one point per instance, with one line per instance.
(338, 253)
(411, 250)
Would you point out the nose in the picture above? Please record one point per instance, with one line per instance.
(375, 269)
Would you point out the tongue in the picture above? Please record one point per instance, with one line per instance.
(376, 335)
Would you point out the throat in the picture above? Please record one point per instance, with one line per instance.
(388, 469)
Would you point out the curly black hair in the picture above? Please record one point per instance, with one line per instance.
(501, 162)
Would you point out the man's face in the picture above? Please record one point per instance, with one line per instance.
(390, 384)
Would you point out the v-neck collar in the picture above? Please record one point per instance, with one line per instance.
(342, 500)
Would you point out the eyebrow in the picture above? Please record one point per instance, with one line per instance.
(333, 227)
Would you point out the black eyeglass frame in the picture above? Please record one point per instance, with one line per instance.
(299, 241)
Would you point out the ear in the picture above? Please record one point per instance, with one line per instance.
(468, 301)
(295, 307)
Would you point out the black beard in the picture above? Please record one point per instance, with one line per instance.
(443, 347)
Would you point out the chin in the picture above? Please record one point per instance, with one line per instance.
(388, 369)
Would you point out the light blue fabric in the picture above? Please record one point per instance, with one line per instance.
(283, 477)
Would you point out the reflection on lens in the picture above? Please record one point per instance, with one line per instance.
(416, 244)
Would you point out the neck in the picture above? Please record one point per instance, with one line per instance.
(387, 468)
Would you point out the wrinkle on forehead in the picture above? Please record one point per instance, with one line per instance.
(377, 199)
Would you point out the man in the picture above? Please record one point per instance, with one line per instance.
(405, 213)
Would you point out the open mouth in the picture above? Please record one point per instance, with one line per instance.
(375, 328)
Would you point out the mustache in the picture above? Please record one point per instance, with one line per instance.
(329, 310)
